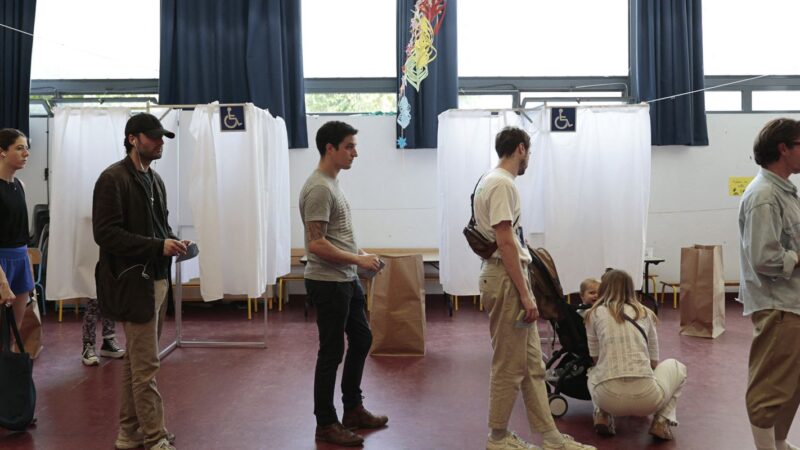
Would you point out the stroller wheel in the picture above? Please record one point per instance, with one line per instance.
(558, 405)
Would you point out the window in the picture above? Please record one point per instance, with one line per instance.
(351, 103)
(524, 38)
(750, 38)
(776, 100)
(723, 100)
(349, 38)
(99, 39)
(485, 101)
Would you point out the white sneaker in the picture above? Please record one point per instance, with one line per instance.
(163, 444)
(136, 440)
(510, 442)
(569, 444)
(88, 356)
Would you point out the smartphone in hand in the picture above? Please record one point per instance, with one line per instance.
(520, 322)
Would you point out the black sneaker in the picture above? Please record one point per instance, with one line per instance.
(110, 349)
(89, 357)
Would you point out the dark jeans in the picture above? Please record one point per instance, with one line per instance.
(340, 311)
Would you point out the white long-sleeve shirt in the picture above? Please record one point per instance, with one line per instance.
(620, 348)
(769, 228)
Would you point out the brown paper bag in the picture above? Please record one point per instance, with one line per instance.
(397, 317)
(31, 329)
(702, 291)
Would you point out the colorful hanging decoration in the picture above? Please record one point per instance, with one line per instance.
(426, 19)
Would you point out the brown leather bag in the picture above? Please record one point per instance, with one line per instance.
(477, 242)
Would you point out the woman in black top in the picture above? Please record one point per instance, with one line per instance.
(16, 279)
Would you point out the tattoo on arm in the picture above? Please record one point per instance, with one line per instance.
(316, 230)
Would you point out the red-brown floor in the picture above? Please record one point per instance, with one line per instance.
(262, 399)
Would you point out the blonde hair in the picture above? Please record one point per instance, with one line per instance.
(616, 291)
(588, 282)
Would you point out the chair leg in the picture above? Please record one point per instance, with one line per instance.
(60, 310)
(367, 295)
(280, 295)
(663, 291)
(77, 306)
(674, 298)
(249, 312)
(255, 304)
(455, 303)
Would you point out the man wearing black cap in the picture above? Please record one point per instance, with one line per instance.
(129, 217)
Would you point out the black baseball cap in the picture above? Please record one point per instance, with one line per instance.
(147, 124)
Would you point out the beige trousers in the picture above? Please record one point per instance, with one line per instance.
(141, 405)
(517, 355)
(773, 388)
(639, 396)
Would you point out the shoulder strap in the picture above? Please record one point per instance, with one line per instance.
(638, 327)
(9, 324)
(472, 199)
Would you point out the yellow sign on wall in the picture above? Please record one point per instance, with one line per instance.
(737, 185)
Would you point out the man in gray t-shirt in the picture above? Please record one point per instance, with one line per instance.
(321, 200)
(333, 288)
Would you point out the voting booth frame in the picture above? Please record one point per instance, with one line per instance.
(180, 341)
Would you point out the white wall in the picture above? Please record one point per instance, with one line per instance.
(392, 193)
(689, 201)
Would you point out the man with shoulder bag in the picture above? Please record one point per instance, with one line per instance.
(506, 293)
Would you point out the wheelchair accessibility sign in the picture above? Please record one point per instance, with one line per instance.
(562, 119)
(231, 118)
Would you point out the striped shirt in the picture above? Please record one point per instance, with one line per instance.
(620, 348)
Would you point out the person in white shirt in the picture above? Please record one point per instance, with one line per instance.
(628, 379)
(769, 228)
(506, 293)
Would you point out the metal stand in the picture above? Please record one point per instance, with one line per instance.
(645, 291)
(181, 342)
(178, 294)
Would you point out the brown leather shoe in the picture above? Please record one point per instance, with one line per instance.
(335, 433)
(359, 417)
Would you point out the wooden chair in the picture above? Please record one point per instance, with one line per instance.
(74, 301)
(676, 287)
(297, 254)
(652, 279)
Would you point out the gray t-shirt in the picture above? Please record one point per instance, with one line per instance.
(321, 200)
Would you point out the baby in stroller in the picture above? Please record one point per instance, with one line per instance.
(567, 366)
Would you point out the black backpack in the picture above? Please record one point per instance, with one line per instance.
(17, 392)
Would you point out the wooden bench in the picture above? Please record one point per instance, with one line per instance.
(677, 286)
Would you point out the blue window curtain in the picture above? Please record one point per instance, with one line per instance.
(439, 91)
(235, 51)
(667, 59)
(15, 63)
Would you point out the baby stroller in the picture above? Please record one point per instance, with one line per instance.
(567, 367)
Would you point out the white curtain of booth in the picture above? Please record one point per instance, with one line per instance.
(589, 191)
(585, 196)
(239, 196)
(85, 141)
